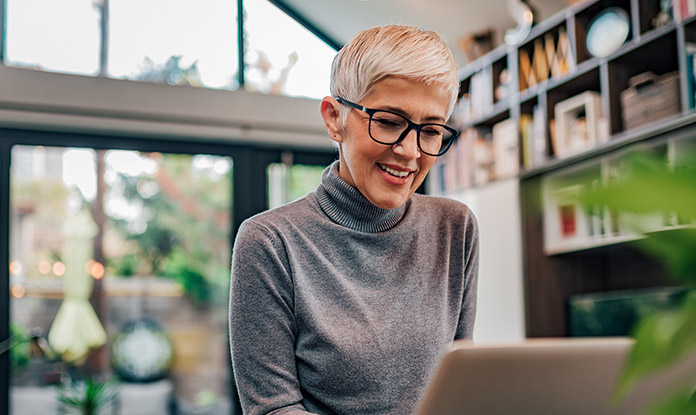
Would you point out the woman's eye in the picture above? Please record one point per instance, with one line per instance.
(388, 123)
(431, 132)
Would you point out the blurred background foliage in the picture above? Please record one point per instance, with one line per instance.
(650, 186)
(182, 230)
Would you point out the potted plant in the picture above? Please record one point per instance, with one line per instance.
(87, 397)
(665, 338)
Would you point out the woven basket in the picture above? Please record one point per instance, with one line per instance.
(650, 98)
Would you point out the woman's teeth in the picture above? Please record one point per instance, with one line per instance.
(393, 172)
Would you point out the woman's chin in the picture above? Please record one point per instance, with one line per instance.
(388, 201)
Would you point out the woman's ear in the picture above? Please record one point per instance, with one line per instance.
(332, 121)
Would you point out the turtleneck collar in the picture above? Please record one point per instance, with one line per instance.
(345, 205)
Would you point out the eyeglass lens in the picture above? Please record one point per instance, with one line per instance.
(387, 128)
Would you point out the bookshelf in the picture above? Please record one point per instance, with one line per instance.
(557, 118)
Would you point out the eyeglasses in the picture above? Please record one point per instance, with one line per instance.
(387, 127)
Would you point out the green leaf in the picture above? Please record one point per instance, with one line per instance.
(677, 404)
(676, 248)
(662, 340)
(646, 185)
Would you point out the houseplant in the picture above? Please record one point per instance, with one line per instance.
(649, 186)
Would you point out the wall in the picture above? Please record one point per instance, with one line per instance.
(500, 315)
(62, 102)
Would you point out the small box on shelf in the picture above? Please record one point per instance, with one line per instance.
(650, 98)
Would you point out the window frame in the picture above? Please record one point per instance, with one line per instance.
(249, 174)
(103, 41)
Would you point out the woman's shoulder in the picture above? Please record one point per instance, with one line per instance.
(450, 218)
(441, 205)
(443, 213)
(293, 213)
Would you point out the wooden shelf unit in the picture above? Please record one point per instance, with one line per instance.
(556, 269)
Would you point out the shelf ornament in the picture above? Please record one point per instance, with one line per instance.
(522, 13)
(607, 32)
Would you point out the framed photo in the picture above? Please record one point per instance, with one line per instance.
(566, 221)
(571, 218)
(577, 121)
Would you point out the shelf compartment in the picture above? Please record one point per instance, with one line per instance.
(580, 84)
(544, 57)
(502, 80)
(636, 61)
(570, 226)
(651, 16)
(499, 112)
(585, 16)
(567, 223)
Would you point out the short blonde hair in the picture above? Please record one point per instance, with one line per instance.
(395, 50)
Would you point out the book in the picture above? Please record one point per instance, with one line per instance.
(526, 136)
(690, 79)
(465, 157)
(481, 93)
(450, 170)
(676, 10)
(483, 159)
(539, 137)
(506, 154)
(690, 75)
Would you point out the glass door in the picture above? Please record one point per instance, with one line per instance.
(119, 271)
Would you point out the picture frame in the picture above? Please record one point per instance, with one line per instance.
(570, 217)
(577, 122)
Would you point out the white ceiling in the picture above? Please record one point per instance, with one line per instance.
(454, 19)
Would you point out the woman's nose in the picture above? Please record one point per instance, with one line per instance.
(408, 147)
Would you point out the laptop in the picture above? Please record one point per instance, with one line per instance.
(543, 377)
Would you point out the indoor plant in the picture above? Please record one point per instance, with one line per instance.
(650, 186)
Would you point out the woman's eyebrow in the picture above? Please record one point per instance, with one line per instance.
(431, 118)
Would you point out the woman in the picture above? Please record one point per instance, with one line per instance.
(343, 301)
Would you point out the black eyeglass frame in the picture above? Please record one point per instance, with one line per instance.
(411, 126)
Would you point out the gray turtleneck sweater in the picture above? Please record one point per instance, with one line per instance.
(340, 307)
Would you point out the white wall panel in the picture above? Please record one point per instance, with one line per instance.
(500, 315)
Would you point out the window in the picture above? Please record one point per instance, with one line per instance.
(283, 57)
(170, 41)
(287, 182)
(161, 259)
(174, 41)
(60, 36)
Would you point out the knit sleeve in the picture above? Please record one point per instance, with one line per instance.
(467, 316)
(262, 324)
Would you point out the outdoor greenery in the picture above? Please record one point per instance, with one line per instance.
(183, 229)
(47, 216)
(304, 178)
(649, 186)
(19, 347)
(171, 72)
